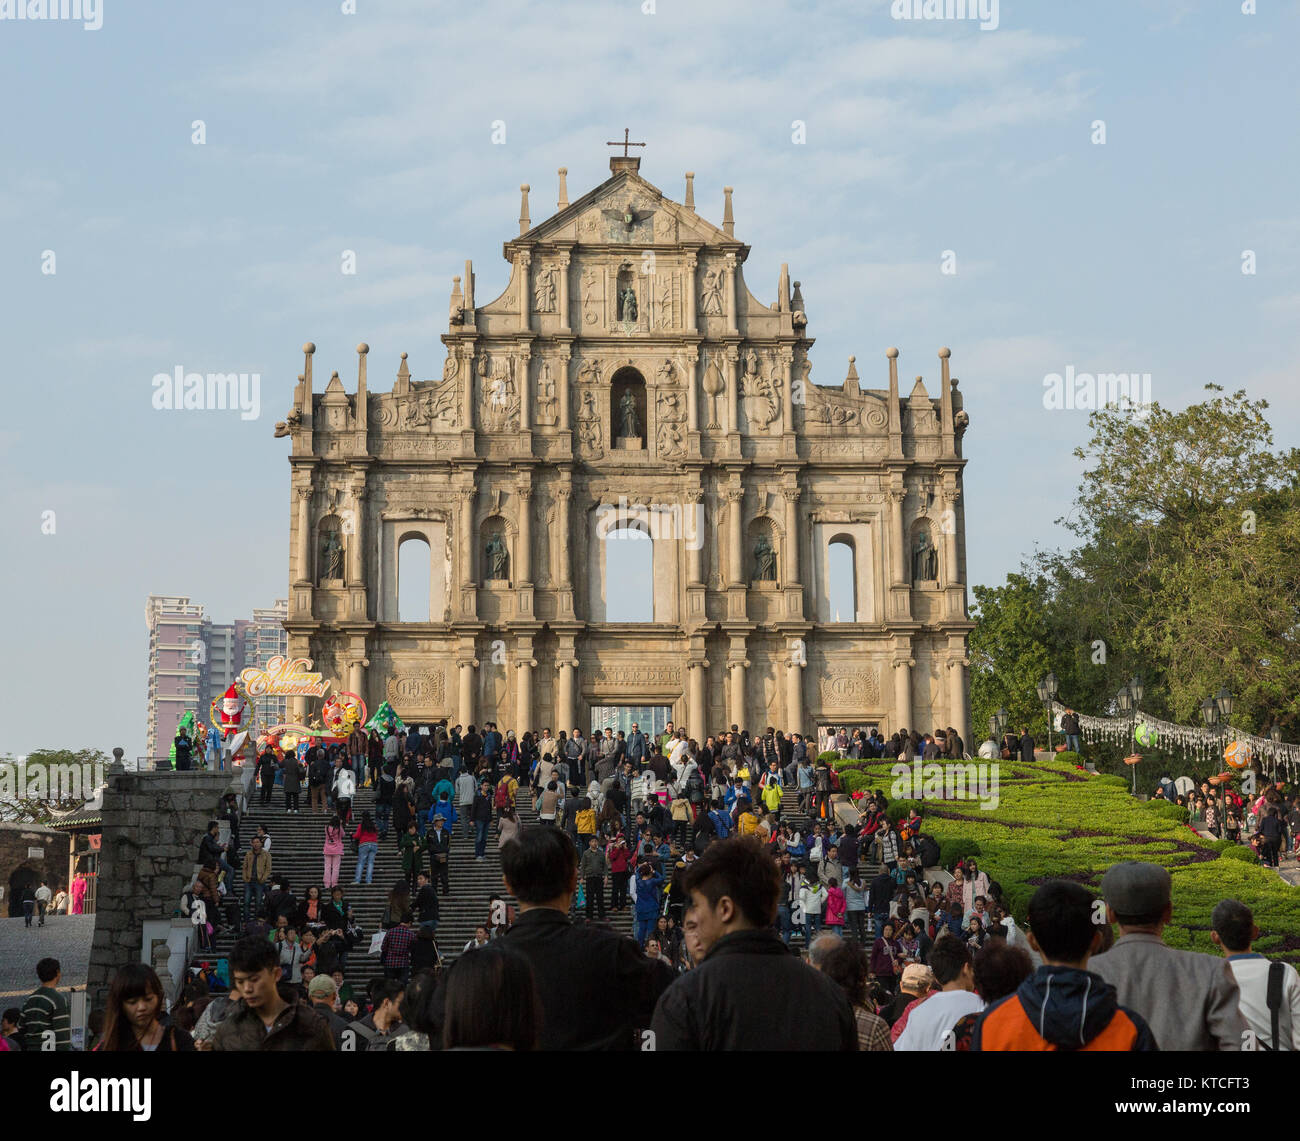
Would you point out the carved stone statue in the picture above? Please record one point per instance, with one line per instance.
(764, 560)
(544, 291)
(925, 559)
(331, 556)
(711, 294)
(627, 304)
(497, 557)
(629, 424)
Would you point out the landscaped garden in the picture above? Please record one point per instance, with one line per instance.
(1054, 820)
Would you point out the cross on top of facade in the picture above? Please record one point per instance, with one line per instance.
(625, 144)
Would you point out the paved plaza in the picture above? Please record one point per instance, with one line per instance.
(64, 937)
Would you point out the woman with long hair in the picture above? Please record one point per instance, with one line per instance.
(133, 1018)
(491, 1002)
(374, 756)
(399, 902)
(332, 850)
(507, 827)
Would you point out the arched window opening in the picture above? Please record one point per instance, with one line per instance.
(414, 567)
(841, 580)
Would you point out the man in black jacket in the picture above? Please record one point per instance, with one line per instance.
(749, 992)
(1026, 745)
(598, 990)
(439, 841)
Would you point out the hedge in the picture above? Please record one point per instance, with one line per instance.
(1055, 820)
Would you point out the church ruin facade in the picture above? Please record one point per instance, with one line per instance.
(627, 380)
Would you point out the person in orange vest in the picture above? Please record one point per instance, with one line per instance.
(1062, 1005)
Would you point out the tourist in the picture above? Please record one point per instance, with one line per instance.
(10, 1034)
(383, 1026)
(267, 765)
(1190, 1000)
(395, 958)
(366, 838)
(332, 850)
(318, 778)
(439, 846)
(1025, 745)
(261, 1019)
(492, 1002)
(292, 778)
(1062, 1005)
(1070, 727)
(323, 996)
(758, 995)
(412, 847)
(597, 988)
(343, 788)
(845, 964)
(133, 1015)
(257, 875)
(46, 1018)
(478, 813)
(425, 903)
(929, 1022)
(480, 939)
(1270, 992)
(592, 869)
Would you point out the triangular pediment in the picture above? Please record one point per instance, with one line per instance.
(624, 209)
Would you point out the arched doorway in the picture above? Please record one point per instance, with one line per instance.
(21, 877)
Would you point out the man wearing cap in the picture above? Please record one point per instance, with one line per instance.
(1189, 1000)
(323, 993)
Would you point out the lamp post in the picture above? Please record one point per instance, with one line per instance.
(1126, 706)
(1135, 688)
(1047, 695)
(1210, 712)
(1223, 702)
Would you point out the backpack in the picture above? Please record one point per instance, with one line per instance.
(695, 789)
(257, 927)
(502, 799)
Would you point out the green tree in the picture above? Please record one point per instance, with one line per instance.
(50, 782)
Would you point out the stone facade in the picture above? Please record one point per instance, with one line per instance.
(153, 822)
(18, 869)
(627, 358)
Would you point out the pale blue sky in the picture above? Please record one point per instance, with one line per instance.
(372, 132)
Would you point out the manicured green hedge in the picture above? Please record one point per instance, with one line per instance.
(1054, 820)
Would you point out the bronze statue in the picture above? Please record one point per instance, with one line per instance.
(332, 556)
(925, 560)
(496, 557)
(764, 560)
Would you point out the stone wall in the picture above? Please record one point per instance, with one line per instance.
(15, 840)
(152, 826)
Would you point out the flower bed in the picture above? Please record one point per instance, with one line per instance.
(1052, 820)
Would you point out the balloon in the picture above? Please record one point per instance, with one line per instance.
(1145, 735)
(1237, 754)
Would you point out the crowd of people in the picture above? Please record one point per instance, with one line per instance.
(754, 926)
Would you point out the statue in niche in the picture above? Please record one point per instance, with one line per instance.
(627, 304)
(925, 559)
(544, 291)
(331, 555)
(497, 557)
(628, 421)
(764, 560)
(711, 294)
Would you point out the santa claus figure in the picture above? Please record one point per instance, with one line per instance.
(233, 709)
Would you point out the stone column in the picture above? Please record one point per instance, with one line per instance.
(467, 392)
(736, 569)
(563, 390)
(356, 543)
(794, 697)
(564, 712)
(733, 279)
(357, 675)
(951, 570)
(692, 263)
(736, 704)
(898, 564)
(695, 544)
(524, 695)
(468, 683)
(697, 715)
(791, 534)
(524, 555)
(303, 558)
(564, 298)
(957, 711)
(733, 390)
(692, 393)
(562, 497)
(903, 693)
(787, 369)
(525, 289)
(467, 544)
(525, 390)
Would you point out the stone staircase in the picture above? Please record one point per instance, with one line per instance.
(296, 842)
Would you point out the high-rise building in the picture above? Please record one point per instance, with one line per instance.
(178, 657)
(193, 660)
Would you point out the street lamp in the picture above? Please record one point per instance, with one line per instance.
(1127, 706)
(1047, 695)
(1223, 699)
(1210, 711)
(1135, 688)
(1276, 733)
